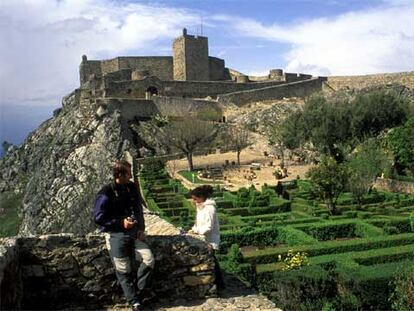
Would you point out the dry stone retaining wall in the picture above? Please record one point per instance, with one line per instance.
(395, 185)
(193, 89)
(295, 89)
(68, 271)
(360, 82)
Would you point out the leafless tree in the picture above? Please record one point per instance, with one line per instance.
(237, 138)
(187, 135)
(274, 135)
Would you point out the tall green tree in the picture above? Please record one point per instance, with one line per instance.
(329, 180)
(323, 122)
(329, 123)
(375, 111)
(367, 163)
(400, 140)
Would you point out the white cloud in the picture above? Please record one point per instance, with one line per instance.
(369, 41)
(43, 40)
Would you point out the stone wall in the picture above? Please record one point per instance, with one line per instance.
(120, 75)
(200, 89)
(129, 108)
(193, 89)
(159, 66)
(109, 65)
(393, 185)
(179, 70)
(67, 271)
(294, 89)
(132, 89)
(217, 69)
(10, 285)
(182, 107)
(88, 68)
(360, 82)
(167, 106)
(190, 60)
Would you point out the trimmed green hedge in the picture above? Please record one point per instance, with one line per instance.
(292, 236)
(300, 290)
(270, 255)
(238, 211)
(365, 230)
(330, 230)
(224, 204)
(402, 224)
(259, 237)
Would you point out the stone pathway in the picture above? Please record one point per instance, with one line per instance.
(237, 296)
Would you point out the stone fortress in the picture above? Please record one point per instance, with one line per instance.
(187, 82)
(60, 164)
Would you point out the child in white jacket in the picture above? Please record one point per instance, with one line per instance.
(207, 223)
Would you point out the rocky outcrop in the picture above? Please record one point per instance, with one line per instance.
(67, 271)
(62, 164)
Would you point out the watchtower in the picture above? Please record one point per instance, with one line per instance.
(190, 58)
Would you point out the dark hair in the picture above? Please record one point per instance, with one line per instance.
(204, 192)
(121, 168)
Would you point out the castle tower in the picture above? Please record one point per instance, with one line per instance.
(190, 58)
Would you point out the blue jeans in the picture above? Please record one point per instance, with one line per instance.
(124, 250)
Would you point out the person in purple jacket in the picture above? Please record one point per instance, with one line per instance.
(118, 211)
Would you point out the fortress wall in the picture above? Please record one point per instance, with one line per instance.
(193, 89)
(130, 108)
(70, 272)
(132, 89)
(196, 58)
(259, 78)
(293, 77)
(159, 66)
(120, 75)
(294, 89)
(217, 69)
(360, 82)
(87, 68)
(181, 107)
(167, 106)
(200, 89)
(109, 65)
(179, 66)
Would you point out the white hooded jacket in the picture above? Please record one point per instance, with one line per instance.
(207, 223)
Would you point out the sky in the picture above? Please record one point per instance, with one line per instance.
(42, 41)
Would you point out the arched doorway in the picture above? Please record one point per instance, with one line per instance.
(152, 90)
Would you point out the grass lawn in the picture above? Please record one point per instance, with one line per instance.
(9, 221)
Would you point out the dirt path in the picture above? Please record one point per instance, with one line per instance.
(237, 177)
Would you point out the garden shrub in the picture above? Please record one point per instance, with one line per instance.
(224, 204)
(169, 204)
(238, 211)
(265, 236)
(302, 289)
(292, 236)
(390, 229)
(402, 297)
(329, 231)
(365, 230)
(351, 214)
(364, 215)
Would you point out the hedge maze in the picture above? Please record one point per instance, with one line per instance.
(283, 241)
